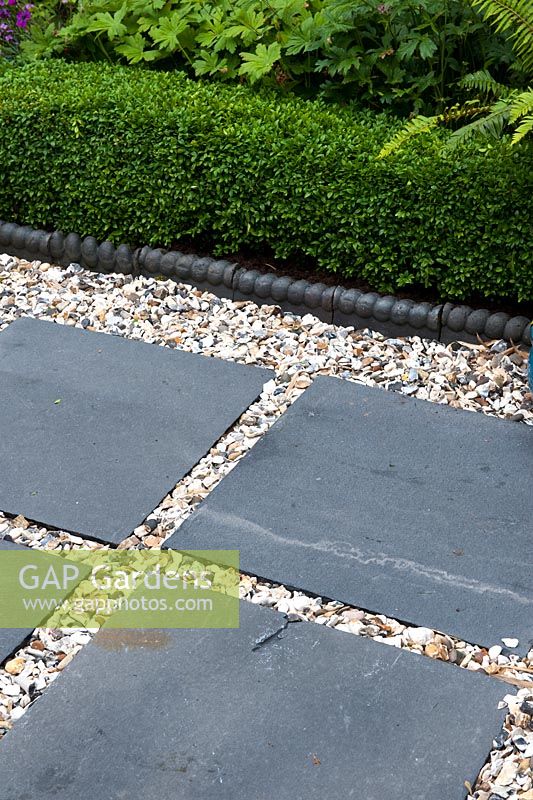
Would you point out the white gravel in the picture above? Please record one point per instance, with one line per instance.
(485, 378)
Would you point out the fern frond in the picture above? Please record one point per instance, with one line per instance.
(423, 124)
(521, 105)
(471, 108)
(525, 127)
(489, 126)
(414, 127)
(483, 83)
(515, 19)
(489, 121)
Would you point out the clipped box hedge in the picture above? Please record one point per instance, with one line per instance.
(148, 157)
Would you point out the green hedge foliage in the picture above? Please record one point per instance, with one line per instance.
(147, 158)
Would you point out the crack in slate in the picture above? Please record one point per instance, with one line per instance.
(277, 634)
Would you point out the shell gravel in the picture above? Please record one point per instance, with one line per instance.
(490, 378)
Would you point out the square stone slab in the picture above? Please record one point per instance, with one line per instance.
(403, 507)
(201, 715)
(11, 638)
(96, 429)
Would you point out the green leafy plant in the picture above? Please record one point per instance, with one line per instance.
(515, 19)
(498, 107)
(150, 157)
(260, 63)
(406, 54)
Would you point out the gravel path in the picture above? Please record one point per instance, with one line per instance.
(485, 378)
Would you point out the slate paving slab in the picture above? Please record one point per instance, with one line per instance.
(11, 638)
(96, 429)
(400, 506)
(202, 714)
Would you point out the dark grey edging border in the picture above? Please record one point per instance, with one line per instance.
(386, 314)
